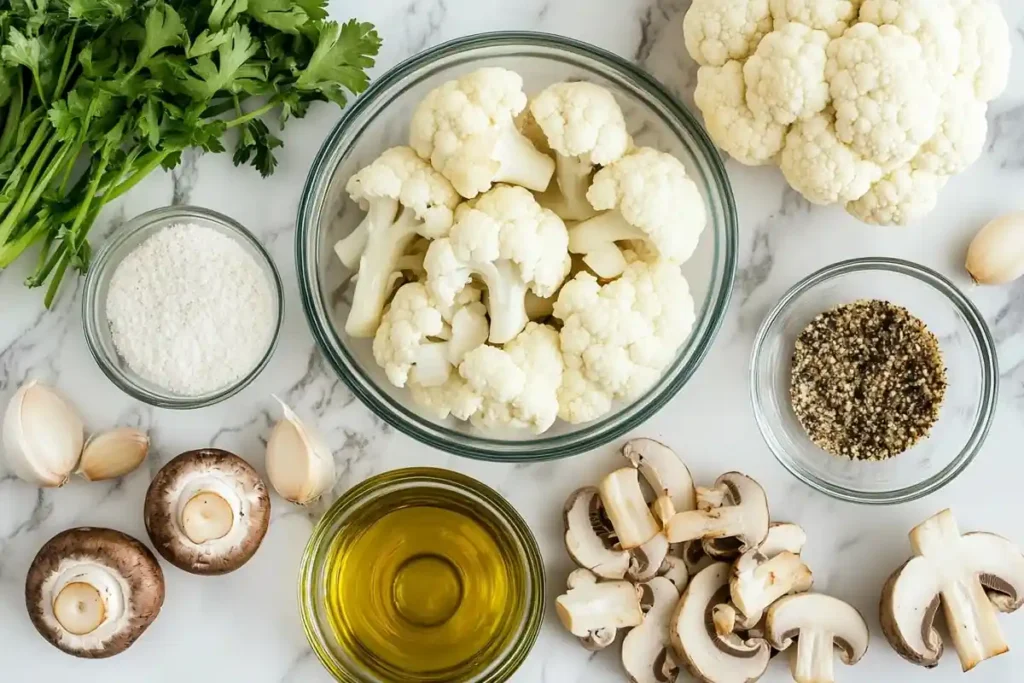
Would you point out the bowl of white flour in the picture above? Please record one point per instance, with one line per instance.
(182, 307)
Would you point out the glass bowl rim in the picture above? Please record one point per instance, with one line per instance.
(984, 344)
(103, 262)
(356, 496)
(591, 435)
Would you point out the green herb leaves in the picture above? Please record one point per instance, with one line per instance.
(131, 84)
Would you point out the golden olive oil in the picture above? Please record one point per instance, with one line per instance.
(424, 584)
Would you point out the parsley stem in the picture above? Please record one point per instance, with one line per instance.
(51, 291)
(13, 117)
(27, 191)
(254, 114)
(154, 160)
(62, 79)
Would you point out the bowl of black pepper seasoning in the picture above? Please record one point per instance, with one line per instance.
(874, 381)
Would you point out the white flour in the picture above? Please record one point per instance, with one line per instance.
(190, 310)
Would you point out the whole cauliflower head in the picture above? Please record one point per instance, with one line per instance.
(466, 128)
(617, 338)
(870, 103)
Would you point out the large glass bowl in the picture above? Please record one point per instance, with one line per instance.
(964, 417)
(380, 119)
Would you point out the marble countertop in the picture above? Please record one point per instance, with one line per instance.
(245, 626)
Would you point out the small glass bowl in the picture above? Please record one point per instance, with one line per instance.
(97, 283)
(966, 413)
(380, 119)
(415, 482)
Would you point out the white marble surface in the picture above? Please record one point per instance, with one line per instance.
(245, 626)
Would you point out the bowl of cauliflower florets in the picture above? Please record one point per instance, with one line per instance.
(870, 104)
(516, 247)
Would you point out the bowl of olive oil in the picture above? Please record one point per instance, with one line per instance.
(422, 575)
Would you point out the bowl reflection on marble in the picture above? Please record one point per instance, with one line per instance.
(964, 417)
(380, 119)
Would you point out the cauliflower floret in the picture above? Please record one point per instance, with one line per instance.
(960, 139)
(466, 128)
(409, 344)
(831, 16)
(584, 126)
(645, 196)
(885, 106)
(512, 244)
(984, 47)
(617, 338)
(785, 77)
(518, 384)
(821, 167)
(454, 397)
(930, 22)
(719, 30)
(721, 95)
(902, 196)
(404, 198)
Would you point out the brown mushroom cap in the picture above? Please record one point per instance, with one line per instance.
(137, 572)
(189, 475)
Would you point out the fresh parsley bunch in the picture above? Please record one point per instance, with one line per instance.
(130, 84)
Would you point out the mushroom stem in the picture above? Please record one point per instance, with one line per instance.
(813, 661)
(79, 608)
(206, 517)
(624, 502)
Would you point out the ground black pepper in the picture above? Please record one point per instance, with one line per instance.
(868, 380)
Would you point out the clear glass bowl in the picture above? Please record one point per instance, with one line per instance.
(416, 483)
(97, 283)
(966, 413)
(380, 119)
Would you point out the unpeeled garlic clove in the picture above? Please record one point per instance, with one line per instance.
(113, 454)
(996, 255)
(42, 435)
(299, 464)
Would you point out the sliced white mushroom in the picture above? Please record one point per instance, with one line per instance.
(674, 569)
(587, 547)
(627, 509)
(207, 511)
(731, 518)
(694, 557)
(783, 537)
(646, 650)
(594, 610)
(92, 592)
(820, 624)
(971, 576)
(705, 654)
(664, 471)
(757, 581)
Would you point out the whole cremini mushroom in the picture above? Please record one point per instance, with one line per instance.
(207, 511)
(92, 592)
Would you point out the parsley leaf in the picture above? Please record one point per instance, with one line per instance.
(339, 63)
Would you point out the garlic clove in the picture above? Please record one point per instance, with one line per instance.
(996, 255)
(42, 435)
(113, 454)
(299, 464)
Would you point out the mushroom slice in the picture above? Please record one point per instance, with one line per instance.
(694, 557)
(646, 651)
(92, 592)
(731, 519)
(783, 537)
(705, 654)
(207, 511)
(582, 540)
(972, 576)
(820, 623)
(593, 611)
(674, 569)
(624, 502)
(666, 473)
(757, 581)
